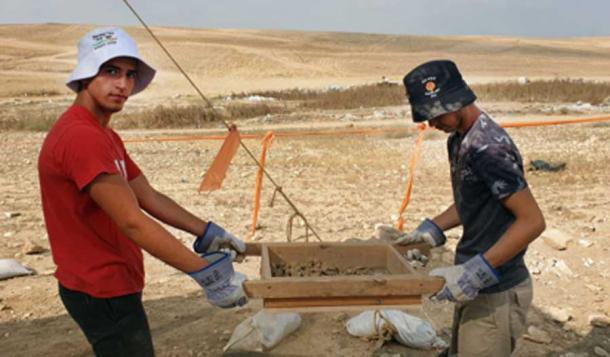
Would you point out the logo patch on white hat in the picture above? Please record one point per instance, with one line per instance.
(105, 38)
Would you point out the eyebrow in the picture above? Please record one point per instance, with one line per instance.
(112, 66)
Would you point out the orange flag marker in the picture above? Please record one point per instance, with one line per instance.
(259, 181)
(218, 170)
(412, 166)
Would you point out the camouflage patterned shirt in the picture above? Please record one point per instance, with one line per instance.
(486, 167)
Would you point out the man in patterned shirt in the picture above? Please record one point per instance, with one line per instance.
(490, 283)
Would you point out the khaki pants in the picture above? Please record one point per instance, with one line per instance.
(490, 324)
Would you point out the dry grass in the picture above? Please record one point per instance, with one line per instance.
(192, 116)
(553, 91)
(37, 93)
(33, 120)
(367, 96)
(291, 100)
(388, 94)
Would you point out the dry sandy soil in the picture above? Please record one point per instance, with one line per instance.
(343, 185)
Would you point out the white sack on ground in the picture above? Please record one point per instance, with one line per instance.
(409, 330)
(10, 268)
(262, 331)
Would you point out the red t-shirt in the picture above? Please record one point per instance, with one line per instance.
(91, 253)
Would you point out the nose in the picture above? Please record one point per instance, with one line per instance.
(433, 122)
(121, 82)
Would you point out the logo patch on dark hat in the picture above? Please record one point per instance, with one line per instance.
(430, 86)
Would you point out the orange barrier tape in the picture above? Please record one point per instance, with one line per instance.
(259, 180)
(412, 166)
(287, 134)
(218, 170)
(554, 122)
(364, 131)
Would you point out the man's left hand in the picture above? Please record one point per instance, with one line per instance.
(215, 238)
(463, 282)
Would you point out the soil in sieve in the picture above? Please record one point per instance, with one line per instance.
(316, 267)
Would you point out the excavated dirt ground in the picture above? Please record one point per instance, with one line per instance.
(344, 186)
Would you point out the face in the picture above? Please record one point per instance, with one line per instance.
(113, 84)
(448, 122)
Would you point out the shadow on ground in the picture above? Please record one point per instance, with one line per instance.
(188, 326)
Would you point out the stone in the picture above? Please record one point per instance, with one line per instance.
(32, 248)
(599, 320)
(561, 268)
(576, 354)
(556, 239)
(558, 314)
(601, 352)
(594, 288)
(585, 243)
(537, 335)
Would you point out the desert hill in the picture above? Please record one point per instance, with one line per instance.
(38, 58)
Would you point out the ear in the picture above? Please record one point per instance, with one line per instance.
(83, 83)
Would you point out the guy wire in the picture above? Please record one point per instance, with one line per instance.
(211, 107)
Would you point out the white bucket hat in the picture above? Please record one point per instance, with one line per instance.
(101, 45)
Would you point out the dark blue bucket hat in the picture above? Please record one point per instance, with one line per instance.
(436, 88)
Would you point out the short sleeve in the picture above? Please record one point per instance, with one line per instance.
(86, 153)
(133, 170)
(500, 168)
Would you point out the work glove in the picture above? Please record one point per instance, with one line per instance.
(222, 285)
(215, 238)
(463, 282)
(427, 232)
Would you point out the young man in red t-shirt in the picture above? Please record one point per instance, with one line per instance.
(94, 200)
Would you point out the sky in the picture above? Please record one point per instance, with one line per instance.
(528, 18)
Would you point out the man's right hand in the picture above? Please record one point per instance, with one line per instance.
(222, 285)
(427, 232)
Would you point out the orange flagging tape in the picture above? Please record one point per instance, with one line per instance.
(412, 166)
(218, 170)
(287, 134)
(364, 131)
(554, 122)
(259, 180)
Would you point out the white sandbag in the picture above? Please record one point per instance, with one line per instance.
(274, 327)
(262, 331)
(409, 330)
(10, 268)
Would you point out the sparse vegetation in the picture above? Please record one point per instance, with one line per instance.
(40, 120)
(38, 93)
(552, 91)
(366, 96)
(192, 116)
(291, 100)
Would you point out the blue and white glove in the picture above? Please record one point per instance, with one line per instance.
(427, 232)
(463, 282)
(222, 285)
(215, 238)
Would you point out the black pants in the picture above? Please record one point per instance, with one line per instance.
(114, 327)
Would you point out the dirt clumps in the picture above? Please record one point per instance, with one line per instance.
(316, 267)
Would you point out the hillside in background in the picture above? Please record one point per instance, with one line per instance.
(38, 58)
